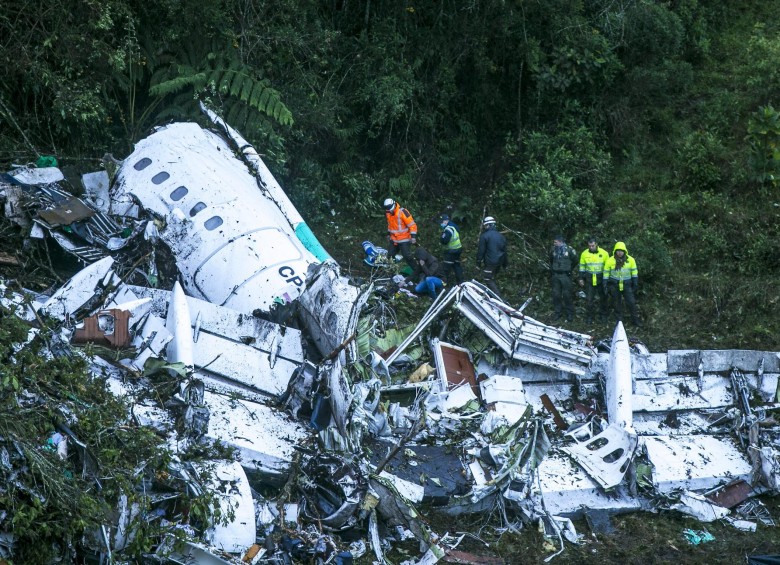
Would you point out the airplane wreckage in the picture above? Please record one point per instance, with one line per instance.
(478, 408)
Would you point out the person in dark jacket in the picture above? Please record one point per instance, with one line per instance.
(426, 273)
(491, 253)
(453, 249)
(563, 261)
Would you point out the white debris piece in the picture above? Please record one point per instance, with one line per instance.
(36, 176)
(230, 484)
(78, 290)
(699, 507)
(619, 388)
(699, 462)
(264, 437)
(607, 455)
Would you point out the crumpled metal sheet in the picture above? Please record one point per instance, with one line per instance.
(332, 488)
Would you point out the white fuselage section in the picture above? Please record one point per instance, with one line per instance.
(233, 245)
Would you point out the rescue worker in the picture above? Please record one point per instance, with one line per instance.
(401, 230)
(592, 279)
(491, 253)
(426, 273)
(453, 249)
(621, 280)
(563, 260)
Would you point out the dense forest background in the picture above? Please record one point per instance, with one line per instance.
(648, 122)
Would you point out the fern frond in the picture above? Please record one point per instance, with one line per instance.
(176, 84)
(246, 89)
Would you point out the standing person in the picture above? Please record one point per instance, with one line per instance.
(491, 254)
(592, 279)
(621, 279)
(426, 273)
(453, 249)
(563, 260)
(401, 230)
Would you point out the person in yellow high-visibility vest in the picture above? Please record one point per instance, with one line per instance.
(453, 249)
(592, 280)
(621, 280)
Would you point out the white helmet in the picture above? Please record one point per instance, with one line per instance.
(389, 204)
(489, 221)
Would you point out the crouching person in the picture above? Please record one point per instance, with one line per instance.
(426, 273)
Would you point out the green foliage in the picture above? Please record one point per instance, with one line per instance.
(359, 194)
(54, 505)
(700, 159)
(587, 62)
(760, 71)
(652, 32)
(652, 254)
(548, 197)
(218, 74)
(556, 178)
(764, 140)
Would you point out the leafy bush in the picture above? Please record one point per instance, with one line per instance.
(555, 178)
(651, 252)
(764, 139)
(760, 71)
(548, 197)
(700, 158)
(651, 33)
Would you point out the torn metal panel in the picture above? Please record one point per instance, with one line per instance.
(430, 474)
(504, 397)
(264, 437)
(236, 351)
(86, 253)
(606, 456)
(23, 305)
(66, 213)
(230, 484)
(699, 507)
(698, 462)
(84, 286)
(329, 308)
(186, 553)
(37, 176)
(519, 336)
(565, 489)
(96, 188)
(151, 337)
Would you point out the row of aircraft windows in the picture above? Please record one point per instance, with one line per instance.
(178, 193)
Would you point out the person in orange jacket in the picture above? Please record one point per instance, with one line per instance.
(401, 230)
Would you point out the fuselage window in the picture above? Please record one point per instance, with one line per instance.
(213, 223)
(179, 193)
(142, 164)
(160, 178)
(197, 208)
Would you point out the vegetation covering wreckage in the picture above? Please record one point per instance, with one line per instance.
(199, 265)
